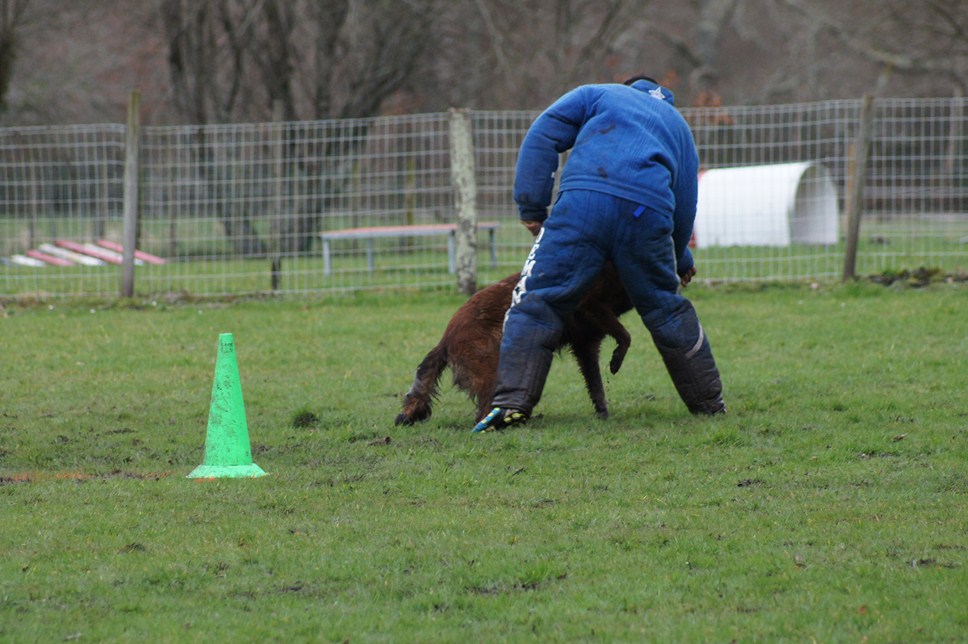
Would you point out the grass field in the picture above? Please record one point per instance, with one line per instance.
(202, 264)
(830, 505)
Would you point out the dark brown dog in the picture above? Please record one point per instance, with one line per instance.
(472, 341)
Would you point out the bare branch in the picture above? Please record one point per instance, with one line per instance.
(11, 17)
(496, 37)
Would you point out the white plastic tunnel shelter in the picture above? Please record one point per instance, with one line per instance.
(766, 205)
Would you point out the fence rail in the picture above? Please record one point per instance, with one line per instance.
(238, 209)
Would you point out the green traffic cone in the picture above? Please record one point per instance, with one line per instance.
(227, 450)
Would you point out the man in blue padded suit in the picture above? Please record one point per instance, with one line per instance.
(627, 195)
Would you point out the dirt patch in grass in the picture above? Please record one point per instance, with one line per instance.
(918, 277)
(34, 477)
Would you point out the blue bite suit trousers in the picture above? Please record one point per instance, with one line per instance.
(585, 230)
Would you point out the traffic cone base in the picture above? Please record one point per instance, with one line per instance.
(227, 450)
(226, 471)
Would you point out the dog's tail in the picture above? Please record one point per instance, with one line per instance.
(418, 401)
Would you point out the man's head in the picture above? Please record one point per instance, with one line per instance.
(651, 87)
(639, 77)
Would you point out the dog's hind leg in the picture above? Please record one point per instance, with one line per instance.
(587, 356)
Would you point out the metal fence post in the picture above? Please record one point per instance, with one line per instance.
(132, 169)
(858, 177)
(278, 153)
(465, 192)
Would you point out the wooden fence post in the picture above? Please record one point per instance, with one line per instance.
(462, 174)
(856, 181)
(132, 170)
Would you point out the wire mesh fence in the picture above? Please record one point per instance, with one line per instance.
(243, 209)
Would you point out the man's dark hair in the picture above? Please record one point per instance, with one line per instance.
(640, 77)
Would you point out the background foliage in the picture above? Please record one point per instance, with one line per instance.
(74, 61)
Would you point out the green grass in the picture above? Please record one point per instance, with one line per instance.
(829, 505)
(203, 266)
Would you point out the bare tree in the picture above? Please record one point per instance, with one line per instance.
(363, 51)
(240, 60)
(206, 42)
(524, 53)
(585, 36)
(713, 19)
(12, 13)
(909, 38)
(206, 66)
(328, 18)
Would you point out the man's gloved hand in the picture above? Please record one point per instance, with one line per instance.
(534, 227)
(686, 277)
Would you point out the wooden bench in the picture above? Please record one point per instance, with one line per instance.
(368, 234)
